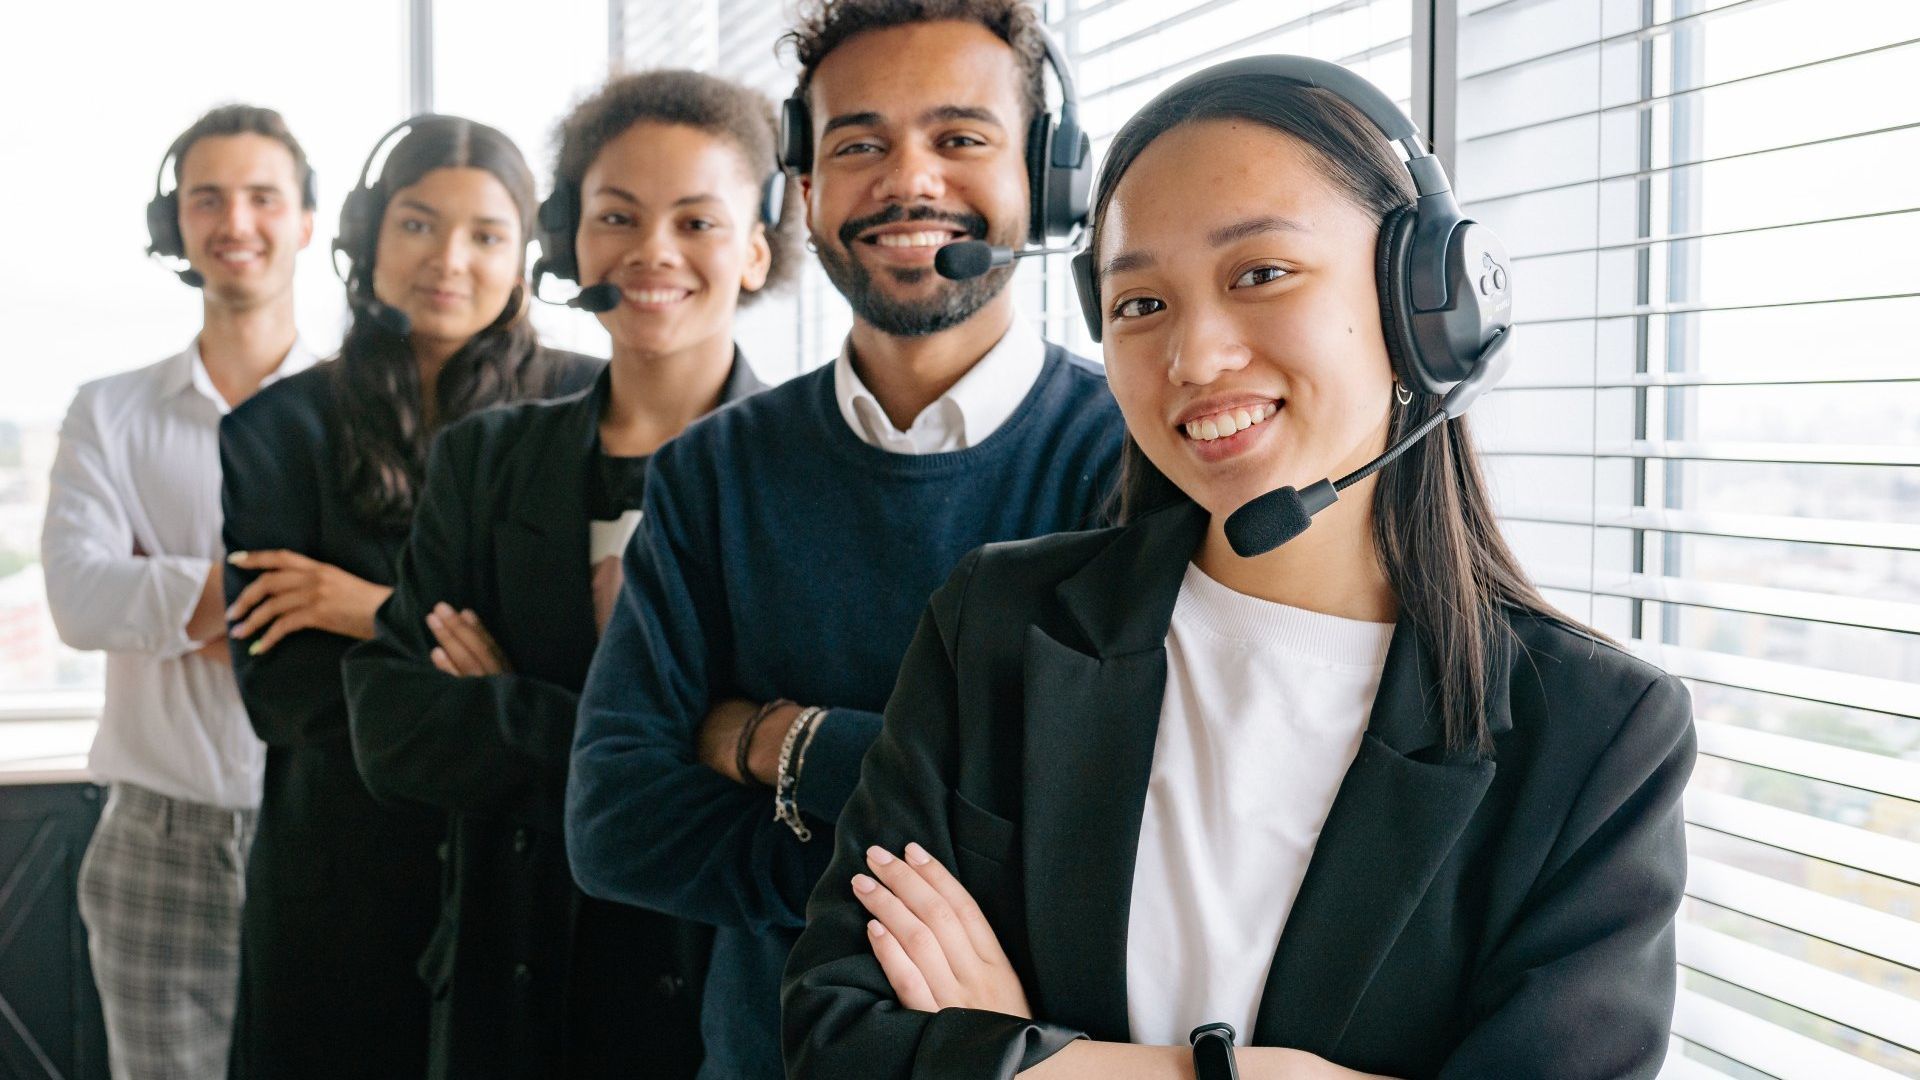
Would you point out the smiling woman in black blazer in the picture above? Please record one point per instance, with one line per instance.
(465, 698)
(319, 475)
(1366, 797)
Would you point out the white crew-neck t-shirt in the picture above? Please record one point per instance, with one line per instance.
(1264, 708)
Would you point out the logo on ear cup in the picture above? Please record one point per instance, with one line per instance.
(1493, 277)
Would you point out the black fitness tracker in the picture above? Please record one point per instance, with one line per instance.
(1213, 1052)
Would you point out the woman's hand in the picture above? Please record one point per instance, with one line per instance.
(466, 648)
(294, 592)
(932, 940)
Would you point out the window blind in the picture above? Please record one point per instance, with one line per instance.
(1709, 447)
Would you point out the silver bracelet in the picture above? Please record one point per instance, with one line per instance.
(785, 809)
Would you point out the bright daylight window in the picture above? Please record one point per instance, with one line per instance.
(1710, 446)
(90, 302)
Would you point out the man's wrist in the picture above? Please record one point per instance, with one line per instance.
(764, 758)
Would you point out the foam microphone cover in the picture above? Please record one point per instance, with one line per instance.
(964, 259)
(1267, 522)
(597, 298)
(1277, 517)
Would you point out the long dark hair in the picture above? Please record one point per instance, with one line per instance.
(1434, 529)
(381, 446)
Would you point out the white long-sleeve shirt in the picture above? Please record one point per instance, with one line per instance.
(132, 530)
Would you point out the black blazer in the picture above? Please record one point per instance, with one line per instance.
(342, 890)
(530, 978)
(1507, 917)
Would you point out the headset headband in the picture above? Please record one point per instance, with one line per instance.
(1428, 177)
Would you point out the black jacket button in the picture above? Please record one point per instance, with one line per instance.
(519, 841)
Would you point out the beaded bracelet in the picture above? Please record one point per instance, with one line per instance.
(743, 745)
(785, 808)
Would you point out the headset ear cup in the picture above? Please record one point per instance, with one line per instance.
(163, 227)
(1396, 239)
(558, 219)
(1039, 177)
(796, 135)
(773, 199)
(1088, 291)
(1069, 186)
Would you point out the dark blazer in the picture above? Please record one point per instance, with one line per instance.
(1460, 917)
(529, 977)
(342, 890)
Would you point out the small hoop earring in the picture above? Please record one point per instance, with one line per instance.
(812, 248)
(1401, 394)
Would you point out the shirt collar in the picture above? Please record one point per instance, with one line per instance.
(970, 411)
(189, 371)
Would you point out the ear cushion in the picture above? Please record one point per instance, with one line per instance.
(559, 218)
(1390, 264)
(163, 226)
(1087, 290)
(796, 135)
(358, 230)
(1039, 140)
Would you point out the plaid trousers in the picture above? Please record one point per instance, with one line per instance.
(160, 893)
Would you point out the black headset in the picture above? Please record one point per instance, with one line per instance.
(559, 219)
(361, 211)
(163, 212)
(1059, 155)
(1444, 291)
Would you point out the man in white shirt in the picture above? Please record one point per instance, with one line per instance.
(131, 549)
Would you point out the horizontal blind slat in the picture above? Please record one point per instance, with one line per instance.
(1801, 985)
(1674, 450)
(1891, 696)
(1885, 535)
(1856, 769)
(1805, 911)
(1765, 1046)
(1844, 845)
(1746, 599)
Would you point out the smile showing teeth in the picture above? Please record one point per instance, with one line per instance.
(237, 256)
(1231, 422)
(655, 296)
(913, 239)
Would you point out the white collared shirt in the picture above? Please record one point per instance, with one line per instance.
(132, 530)
(972, 409)
(1262, 715)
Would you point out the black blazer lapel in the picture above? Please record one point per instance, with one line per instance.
(1398, 813)
(545, 585)
(1092, 714)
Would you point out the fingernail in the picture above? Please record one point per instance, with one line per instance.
(874, 928)
(256, 648)
(917, 855)
(237, 558)
(864, 884)
(433, 618)
(879, 856)
(441, 608)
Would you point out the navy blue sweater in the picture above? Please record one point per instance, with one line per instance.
(780, 556)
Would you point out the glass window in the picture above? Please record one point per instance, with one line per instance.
(88, 302)
(1710, 447)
